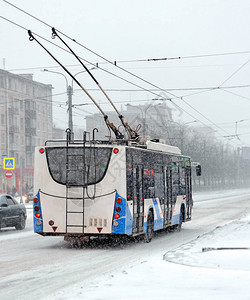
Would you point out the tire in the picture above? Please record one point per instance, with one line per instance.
(150, 228)
(22, 222)
(178, 226)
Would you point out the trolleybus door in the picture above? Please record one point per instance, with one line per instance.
(175, 185)
(188, 191)
(168, 198)
(138, 200)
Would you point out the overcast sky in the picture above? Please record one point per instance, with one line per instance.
(140, 30)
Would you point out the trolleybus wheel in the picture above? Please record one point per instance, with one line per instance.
(150, 228)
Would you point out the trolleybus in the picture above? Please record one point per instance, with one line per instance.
(103, 189)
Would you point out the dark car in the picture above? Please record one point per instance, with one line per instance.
(12, 213)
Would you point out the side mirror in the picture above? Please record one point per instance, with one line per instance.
(198, 170)
(4, 205)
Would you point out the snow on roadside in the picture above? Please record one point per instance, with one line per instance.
(187, 272)
(236, 234)
(215, 195)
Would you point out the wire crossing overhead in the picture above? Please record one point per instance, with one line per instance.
(132, 133)
(109, 124)
(172, 96)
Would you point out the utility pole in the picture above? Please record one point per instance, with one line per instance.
(21, 178)
(69, 93)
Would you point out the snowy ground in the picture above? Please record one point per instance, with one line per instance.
(35, 267)
(182, 273)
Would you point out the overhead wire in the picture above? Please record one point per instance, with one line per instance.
(119, 77)
(132, 74)
(242, 66)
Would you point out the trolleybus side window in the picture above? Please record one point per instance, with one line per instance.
(80, 171)
(175, 181)
(182, 181)
(159, 183)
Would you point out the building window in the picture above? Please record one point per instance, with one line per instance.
(2, 100)
(28, 141)
(9, 102)
(2, 119)
(21, 123)
(11, 138)
(33, 123)
(2, 82)
(33, 141)
(3, 138)
(17, 159)
(32, 105)
(29, 159)
(9, 84)
(16, 140)
(21, 105)
(15, 120)
(10, 121)
(16, 104)
(27, 89)
(27, 105)
(22, 140)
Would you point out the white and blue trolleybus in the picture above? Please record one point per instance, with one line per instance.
(96, 188)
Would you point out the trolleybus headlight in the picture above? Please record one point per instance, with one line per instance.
(38, 215)
(115, 223)
(118, 209)
(119, 200)
(38, 222)
(36, 208)
(117, 216)
(41, 150)
(116, 150)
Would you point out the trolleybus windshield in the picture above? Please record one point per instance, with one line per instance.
(78, 166)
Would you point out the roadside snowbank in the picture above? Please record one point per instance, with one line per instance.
(188, 272)
(233, 235)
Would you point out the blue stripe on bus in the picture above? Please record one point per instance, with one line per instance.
(37, 228)
(158, 221)
(176, 219)
(120, 229)
(129, 221)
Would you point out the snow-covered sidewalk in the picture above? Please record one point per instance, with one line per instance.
(183, 273)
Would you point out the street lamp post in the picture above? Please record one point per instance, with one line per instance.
(69, 94)
(236, 127)
(144, 117)
(69, 89)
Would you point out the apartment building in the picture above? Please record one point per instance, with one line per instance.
(26, 121)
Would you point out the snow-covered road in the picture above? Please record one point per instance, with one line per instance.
(32, 266)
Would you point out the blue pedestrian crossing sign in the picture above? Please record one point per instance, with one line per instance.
(9, 163)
